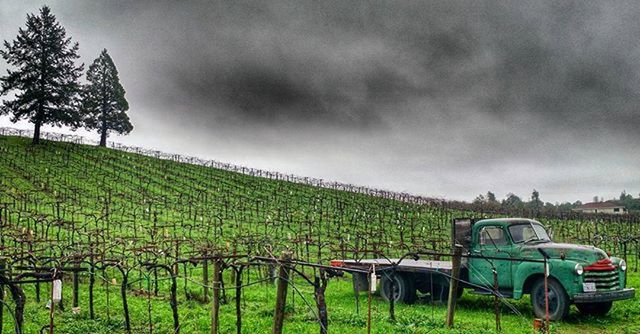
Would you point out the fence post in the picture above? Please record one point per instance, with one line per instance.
(238, 283)
(496, 300)
(1, 291)
(76, 284)
(320, 287)
(392, 294)
(205, 280)
(453, 285)
(281, 294)
(216, 295)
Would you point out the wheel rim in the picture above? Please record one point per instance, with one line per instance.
(553, 299)
(396, 289)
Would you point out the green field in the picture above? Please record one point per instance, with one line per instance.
(66, 201)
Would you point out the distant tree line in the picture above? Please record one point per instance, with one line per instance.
(45, 82)
(489, 202)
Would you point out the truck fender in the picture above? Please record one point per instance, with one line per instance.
(527, 272)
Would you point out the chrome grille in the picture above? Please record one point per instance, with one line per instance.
(604, 279)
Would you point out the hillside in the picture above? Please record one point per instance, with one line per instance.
(116, 213)
(99, 188)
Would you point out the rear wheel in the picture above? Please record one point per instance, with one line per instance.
(595, 309)
(558, 300)
(403, 287)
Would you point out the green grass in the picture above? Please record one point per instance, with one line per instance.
(474, 314)
(61, 199)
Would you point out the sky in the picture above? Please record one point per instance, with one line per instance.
(444, 99)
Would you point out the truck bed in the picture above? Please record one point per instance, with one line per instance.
(406, 264)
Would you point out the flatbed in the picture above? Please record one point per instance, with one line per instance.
(408, 265)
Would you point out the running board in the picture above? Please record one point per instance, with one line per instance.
(503, 293)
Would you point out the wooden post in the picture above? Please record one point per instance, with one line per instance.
(281, 294)
(392, 296)
(53, 304)
(238, 282)
(496, 301)
(92, 280)
(205, 280)
(453, 285)
(1, 291)
(372, 272)
(546, 295)
(320, 287)
(76, 286)
(215, 309)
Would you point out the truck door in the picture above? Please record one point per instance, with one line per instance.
(493, 243)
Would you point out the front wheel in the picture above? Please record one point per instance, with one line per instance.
(558, 300)
(595, 309)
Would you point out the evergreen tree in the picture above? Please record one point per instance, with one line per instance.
(45, 82)
(512, 202)
(491, 197)
(480, 200)
(535, 203)
(103, 99)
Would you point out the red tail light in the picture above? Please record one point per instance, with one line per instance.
(337, 263)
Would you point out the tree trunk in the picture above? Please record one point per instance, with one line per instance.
(103, 138)
(36, 133)
(103, 125)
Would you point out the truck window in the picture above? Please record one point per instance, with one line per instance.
(491, 235)
(528, 232)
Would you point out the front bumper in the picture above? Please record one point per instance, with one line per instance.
(604, 296)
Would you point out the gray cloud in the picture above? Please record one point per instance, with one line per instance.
(444, 98)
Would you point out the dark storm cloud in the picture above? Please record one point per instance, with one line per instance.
(435, 97)
(339, 62)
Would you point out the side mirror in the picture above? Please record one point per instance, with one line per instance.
(550, 232)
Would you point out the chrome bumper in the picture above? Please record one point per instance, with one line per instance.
(604, 296)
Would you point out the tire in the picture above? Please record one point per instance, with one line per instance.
(595, 309)
(440, 293)
(558, 300)
(405, 291)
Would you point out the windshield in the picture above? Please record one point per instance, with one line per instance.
(528, 232)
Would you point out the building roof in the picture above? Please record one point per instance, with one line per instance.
(599, 205)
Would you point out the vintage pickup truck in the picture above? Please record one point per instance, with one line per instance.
(516, 249)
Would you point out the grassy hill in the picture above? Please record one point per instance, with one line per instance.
(100, 188)
(63, 201)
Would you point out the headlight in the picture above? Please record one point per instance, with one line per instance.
(579, 269)
(623, 265)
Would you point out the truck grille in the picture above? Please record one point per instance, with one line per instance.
(604, 274)
(605, 280)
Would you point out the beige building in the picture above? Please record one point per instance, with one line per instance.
(602, 207)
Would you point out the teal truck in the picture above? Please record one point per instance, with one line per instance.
(507, 255)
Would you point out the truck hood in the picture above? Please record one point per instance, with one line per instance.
(583, 254)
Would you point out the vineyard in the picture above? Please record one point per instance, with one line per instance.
(147, 242)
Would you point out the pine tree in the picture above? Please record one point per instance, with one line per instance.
(103, 99)
(46, 80)
(536, 204)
